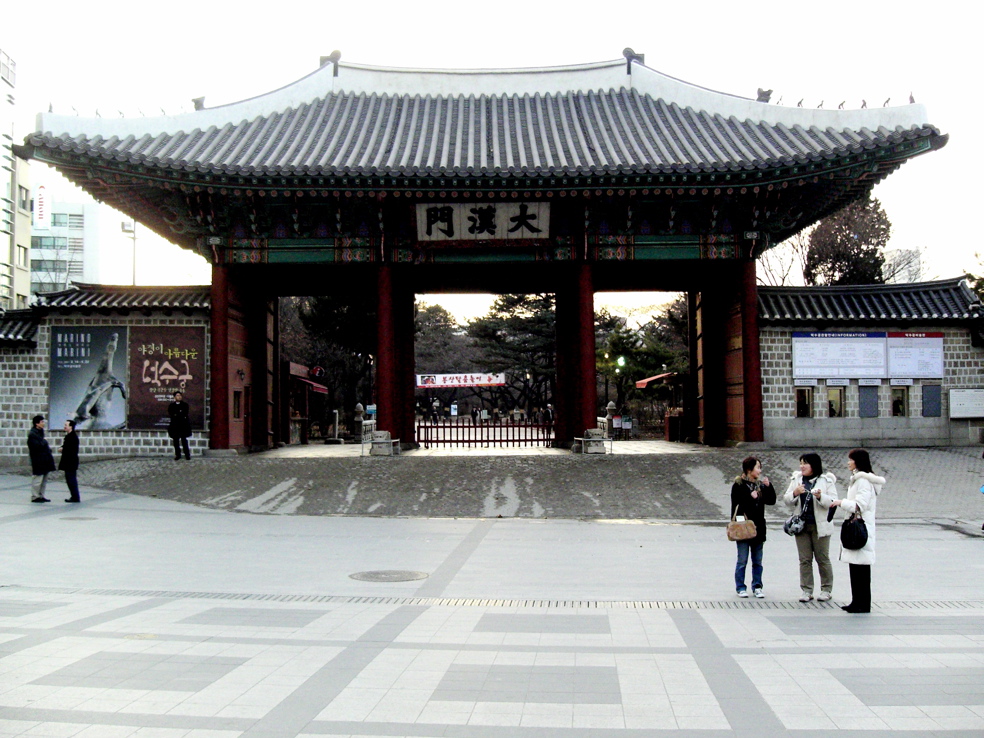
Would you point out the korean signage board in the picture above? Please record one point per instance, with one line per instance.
(967, 403)
(437, 381)
(165, 360)
(868, 355)
(42, 209)
(494, 221)
(88, 380)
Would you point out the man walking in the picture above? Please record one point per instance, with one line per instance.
(69, 461)
(42, 462)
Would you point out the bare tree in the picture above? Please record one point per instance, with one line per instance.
(903, 266)
(784, 264)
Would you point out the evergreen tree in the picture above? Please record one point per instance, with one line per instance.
(848, 246)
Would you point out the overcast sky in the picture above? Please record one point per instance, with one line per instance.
(144, 57)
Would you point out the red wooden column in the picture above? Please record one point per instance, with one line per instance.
(751, 354)
(577, 395)
(219, 360)
(387, 354)
(586, 401)
(405, 427)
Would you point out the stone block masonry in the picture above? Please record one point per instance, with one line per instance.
(963, 367)
(24, 383)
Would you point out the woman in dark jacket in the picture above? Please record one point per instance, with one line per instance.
(180, 426)
(69, 461)
(750, 493)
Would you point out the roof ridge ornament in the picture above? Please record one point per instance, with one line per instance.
(334, 57)
(631, 56)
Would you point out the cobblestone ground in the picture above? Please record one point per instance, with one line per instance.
(935, 484)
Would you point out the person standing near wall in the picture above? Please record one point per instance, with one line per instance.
(69, 461)
(179, 429)
(42, 462)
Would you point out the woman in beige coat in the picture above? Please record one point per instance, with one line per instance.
(862, 497)
(810, 493)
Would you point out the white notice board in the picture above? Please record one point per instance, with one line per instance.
(852, 355)
(967, 403)
(915, 355)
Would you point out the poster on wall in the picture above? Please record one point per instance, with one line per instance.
(165, 360)
(915, 355)
(849, 354)
(88, 380)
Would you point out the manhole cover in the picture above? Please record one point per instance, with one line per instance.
(78, 518)
(389, 575)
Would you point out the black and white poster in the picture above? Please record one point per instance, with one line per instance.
(88, 379)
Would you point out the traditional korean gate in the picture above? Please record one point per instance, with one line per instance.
(462, 433)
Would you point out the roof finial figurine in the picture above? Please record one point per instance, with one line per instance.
(75, 111)
(841, 106)
(779, 101)
(887, 101)
(97, 113)
(820, 106)
(163, 113)
(121, 113)
(198, 102)
(763, 95)
(631, 56)
(800, 103)
(50, 108)
(912, 100)
(864, 104)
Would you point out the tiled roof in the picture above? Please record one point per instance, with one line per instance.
(119, 298)
(945, 301)
(18, 328)
(642, 123)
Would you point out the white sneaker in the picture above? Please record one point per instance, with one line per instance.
(759, 593)
(743, 593)
(823, 596)
(806, 597)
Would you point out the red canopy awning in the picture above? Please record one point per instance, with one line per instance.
(641, 384)
(314, 387)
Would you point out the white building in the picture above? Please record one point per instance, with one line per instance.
(64, 243)
(15, 200)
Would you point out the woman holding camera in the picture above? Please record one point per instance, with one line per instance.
(811, 492)
(750, 493)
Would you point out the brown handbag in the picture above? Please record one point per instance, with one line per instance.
(740, 530)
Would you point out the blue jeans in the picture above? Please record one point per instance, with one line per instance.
(756, 549)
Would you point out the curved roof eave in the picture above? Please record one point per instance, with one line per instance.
(608, 75)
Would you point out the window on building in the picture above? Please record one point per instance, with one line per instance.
(835, 402)
(932, 401)
(237, 405)
(49, 242)
(900, 402)
(23, 198)
(59, 220)
(76, 221)
(868, 401)
(23, 255)
(804, 402)
(49, 265)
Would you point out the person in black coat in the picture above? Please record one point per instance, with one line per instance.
(69, 461)
(42, 462)
(180, 426)
(750, 493)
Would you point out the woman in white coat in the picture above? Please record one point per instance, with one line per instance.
(862, 497)
(810, 493)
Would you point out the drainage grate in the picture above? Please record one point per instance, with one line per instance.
(791, 605)
(388, 575)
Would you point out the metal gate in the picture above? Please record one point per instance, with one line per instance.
(462, 432)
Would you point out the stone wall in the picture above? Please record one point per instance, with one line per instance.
(24, 376)
(963, 366)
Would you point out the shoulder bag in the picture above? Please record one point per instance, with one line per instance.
(854, 533)
(740, 530)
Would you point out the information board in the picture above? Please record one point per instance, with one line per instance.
(915, 355)
(967, 403)
(852, 355)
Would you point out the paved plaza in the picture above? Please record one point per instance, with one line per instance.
(240, 597)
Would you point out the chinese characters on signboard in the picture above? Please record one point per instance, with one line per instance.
(165, 360)
(494, 221)
(434, 381)
(88, 381)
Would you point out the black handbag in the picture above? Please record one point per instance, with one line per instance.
(854, 533)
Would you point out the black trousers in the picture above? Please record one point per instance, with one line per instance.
(860, 587)
(72, 480)
(178, 443)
